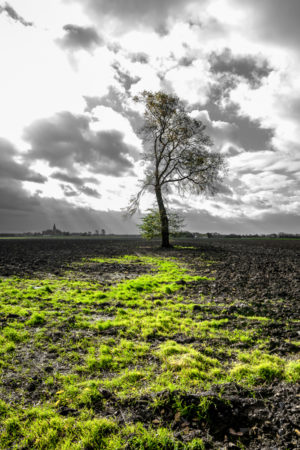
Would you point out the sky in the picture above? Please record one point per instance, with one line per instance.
(69, 147)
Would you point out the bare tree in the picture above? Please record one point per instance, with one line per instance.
(176, 152)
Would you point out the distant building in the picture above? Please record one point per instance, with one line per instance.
(54, 232)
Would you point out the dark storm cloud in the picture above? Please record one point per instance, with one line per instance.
(78, 185)
(247, 67)
(77, 37)
(14, 15)
(12, 170)
(73, 179)
(70, 192)
(275, 20)
(249, 135)
(20, 212)
(137, 13)
(241, 130)
(220, 91)
(66, 139)
(90, 192)
(58, 139)
(14, 198)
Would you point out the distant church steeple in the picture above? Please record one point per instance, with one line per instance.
(54, 228)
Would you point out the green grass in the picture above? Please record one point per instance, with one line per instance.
(66, 339)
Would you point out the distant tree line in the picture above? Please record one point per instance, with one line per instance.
(240, 236)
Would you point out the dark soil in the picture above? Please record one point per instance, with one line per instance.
(252, 278)
(263, 418)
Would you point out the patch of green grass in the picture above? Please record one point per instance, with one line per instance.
(36, 319)
(4, 408)
(130, 382)
(79, 394)
(138, 437)
(292, 371)
(6, 346)
(14, 334)
(254, 318)
(43, 428)
(185, 247)
(118, 357)
(257, 367)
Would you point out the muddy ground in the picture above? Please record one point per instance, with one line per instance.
(252, 278)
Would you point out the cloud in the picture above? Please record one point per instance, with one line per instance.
(251, 135)
(268, 181)
(12, 170)
(266, 222)
(233, 131)
(65, 140)
(197, 81)
(14, 198)
(251, 68)
(186, 61)
(70, 192)
(78, 185)
(21, 212)
(263, 160)
(118, 102)
(124, 78)
(77, 181)
(274, 20)
(113, 99)
(77, 37)
(139, 57)
(293, 107)
(273, 105)
(134, 13)
(14, 15)
(90, 191)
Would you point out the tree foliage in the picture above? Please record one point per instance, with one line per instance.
(177, 153)
(151, 224)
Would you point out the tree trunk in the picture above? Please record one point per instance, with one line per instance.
(163, 219)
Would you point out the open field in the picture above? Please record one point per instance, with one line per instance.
(116, 344)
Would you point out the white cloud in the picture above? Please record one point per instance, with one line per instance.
(50, 15)
(259, 161)
(105, 118)
(191, 83)
(93, 72)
